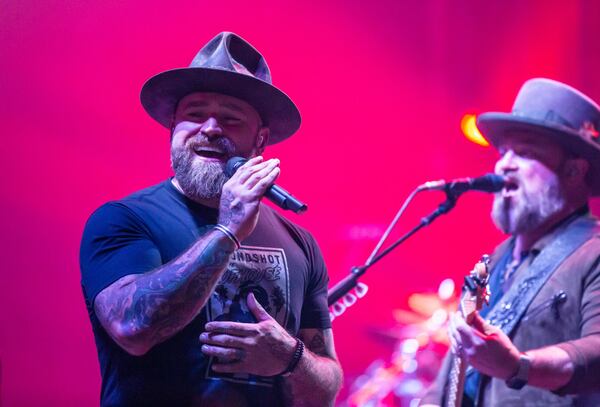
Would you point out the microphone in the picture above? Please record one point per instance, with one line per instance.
(485, 183)
(275, 194)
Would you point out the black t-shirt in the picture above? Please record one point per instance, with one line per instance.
(279, 262)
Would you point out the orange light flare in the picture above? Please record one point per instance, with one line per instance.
(468, 125)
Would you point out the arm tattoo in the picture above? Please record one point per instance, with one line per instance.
(317, 344)
(231, 210)
(318, 377)
(153, 306)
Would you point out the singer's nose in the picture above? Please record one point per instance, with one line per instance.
(506, 163)
(211, 128)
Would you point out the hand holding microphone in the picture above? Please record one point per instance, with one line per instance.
(274, 193)
(241, 195)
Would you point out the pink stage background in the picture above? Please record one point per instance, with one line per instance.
(382, 86)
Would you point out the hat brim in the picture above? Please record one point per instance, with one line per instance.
(495, 126)
(161, 93)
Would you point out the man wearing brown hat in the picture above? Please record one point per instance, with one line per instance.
(537, 343)
(198, 294)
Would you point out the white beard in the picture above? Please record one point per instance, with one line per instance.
(527, 210)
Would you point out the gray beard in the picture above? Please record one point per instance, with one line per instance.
(200, 181)
(529, 212)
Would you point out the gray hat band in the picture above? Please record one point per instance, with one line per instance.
(548, 117)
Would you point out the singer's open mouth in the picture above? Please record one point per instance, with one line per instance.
(510, 187)
(210, 152)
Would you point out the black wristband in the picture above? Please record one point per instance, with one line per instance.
(295, 359)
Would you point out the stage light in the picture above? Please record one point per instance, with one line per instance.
(469, 128)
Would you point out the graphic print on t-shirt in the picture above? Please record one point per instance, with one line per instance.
(258, 270)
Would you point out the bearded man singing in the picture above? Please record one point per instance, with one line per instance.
(537, 343)
(198, 294)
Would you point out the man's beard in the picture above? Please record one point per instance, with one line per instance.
(530, 210)
(200, 180)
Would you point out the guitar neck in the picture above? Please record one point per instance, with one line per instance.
(474, 293)
(456, 382)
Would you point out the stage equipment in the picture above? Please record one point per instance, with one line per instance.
(419, 342)
(475, 292)
(453, 190)
(468, 125)
(485, 183)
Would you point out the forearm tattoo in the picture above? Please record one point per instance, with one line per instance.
(317, 345)
(231, 210)
(318, 379)
(158, 304)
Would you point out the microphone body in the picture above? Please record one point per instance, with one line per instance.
(274, 193)
(485, 183)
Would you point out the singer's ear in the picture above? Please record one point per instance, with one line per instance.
(262, 138)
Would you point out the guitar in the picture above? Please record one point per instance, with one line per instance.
(474, 293)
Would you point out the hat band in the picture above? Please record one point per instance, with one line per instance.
(548, 116)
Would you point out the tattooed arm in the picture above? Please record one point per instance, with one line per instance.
(141, 310)
(318, 376)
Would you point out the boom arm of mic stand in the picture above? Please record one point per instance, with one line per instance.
(343, 287)
(349, 282)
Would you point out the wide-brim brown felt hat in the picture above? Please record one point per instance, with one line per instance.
(555, 111)
(229, 65)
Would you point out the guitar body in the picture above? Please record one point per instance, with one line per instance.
(475, 293)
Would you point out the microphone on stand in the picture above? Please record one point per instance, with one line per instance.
(455, 187)
(275, 194)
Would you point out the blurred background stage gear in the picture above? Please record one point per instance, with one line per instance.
(418, 341)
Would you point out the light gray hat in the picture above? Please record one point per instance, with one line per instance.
(551, 109)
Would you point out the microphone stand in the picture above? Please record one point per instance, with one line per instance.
(350, 281)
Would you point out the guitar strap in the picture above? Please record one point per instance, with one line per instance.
(507, 313)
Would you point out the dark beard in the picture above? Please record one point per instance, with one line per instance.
(200, 181)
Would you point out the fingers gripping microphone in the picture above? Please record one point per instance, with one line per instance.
(485, 183)
(275, 194)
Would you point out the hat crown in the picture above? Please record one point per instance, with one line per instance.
(557, 104)
(228, 51)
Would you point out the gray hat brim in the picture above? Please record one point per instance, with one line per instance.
(495, 126)
(162, 92)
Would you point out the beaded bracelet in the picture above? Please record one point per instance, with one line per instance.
(229, 234)
(295, 359)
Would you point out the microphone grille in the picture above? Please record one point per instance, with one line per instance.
(233, 164)
(492, 182)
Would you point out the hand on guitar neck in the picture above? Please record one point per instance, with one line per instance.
(486, 348)
(483, 346)
(475, 342)
(474, 294)
(479, 344)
